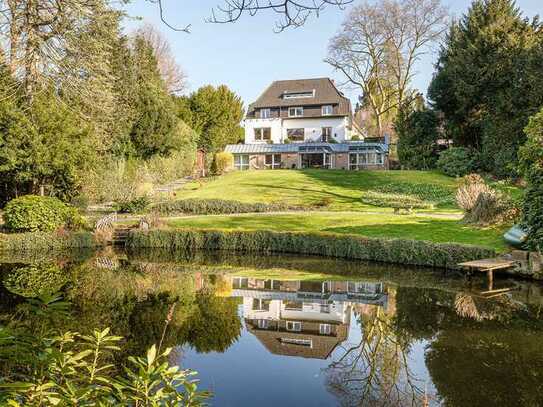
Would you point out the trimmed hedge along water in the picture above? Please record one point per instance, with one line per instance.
(44, 241)
(399, 251)
(217, 207)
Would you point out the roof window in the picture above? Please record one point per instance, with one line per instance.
(298, 95)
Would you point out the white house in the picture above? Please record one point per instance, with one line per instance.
(304, 123)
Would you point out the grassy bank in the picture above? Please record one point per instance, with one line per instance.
(340, 190)
(439, 230)
(399, 251)
(43, 241)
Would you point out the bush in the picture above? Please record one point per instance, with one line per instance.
(469, 190)
(216, 207)
(356, 137)
(31, 213)
(136, 205)
(400, 251)
(222, 162)
(491, 207)
(46, 241)
(456, 162)
(36, 280)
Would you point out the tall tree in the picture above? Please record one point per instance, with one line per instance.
(486, 83)
(215, 113)
(380, 43)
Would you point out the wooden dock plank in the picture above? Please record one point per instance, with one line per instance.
(489, 264)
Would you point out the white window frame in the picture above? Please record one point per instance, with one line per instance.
(325, 329)
(275, 165)
(293, 111)
(261, 130)
(324, 110)
(297, 341)
(366, 158)
(263, 324)
(265, 113)
(294, 326)
(241, 166)
(299, 95)
(330, 136)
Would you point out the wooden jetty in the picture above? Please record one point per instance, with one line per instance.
(488, 266)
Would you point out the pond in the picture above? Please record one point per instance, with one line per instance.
(303, 331)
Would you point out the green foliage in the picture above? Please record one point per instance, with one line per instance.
(433, 194)
(214, 326)
(36, 280)
(400, 251)
(71, 368)
(32, 213)
(491, 208)
(216, 207)
(488, 82)
(222, 162)
(417, 132)
(532, 166)
(39, 242)
(456, 162)
(215, 113)
(137, 205)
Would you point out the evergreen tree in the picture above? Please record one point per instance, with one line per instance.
(532, 164)
(215, 113)
(486, 81)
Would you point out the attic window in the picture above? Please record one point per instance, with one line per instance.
(298, 95)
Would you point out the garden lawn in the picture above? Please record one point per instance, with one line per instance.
(338, 190)
(416, 227)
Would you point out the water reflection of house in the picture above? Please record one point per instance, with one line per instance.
(303, 318)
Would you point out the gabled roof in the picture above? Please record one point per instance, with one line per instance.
(323, 92)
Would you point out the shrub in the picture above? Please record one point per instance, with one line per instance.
(46, 241)
(356, 137)
(491, 207)
(400, 251)
(137, 205)
(287, 141)
(216, 207)
(36, 280)
(222, 162)
(469, 190)
(456, 161)
(32, 213)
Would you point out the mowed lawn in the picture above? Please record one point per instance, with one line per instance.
(339, 190)
(364, 224)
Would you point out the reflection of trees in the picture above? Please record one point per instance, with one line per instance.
(374, 372)
(487, 365)
(214, 324)
(501, 308)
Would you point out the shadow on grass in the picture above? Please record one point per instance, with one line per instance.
(347, 198)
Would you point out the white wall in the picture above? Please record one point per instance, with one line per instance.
(312, 128)
(274, 124)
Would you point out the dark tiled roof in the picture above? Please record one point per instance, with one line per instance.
(325, 92)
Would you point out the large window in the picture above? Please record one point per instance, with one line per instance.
(265, 113)
(326, 134)
(263, 134)
(360, 160)
(295, 111)
(327, 110)
(295, 134)
(273, 161)
(325, 329)
(261, 305)
(299, 95)
(241, 162)
(294, 326)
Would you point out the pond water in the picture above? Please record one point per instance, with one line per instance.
(291, 331)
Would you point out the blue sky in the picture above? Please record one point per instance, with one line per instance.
(248, 55)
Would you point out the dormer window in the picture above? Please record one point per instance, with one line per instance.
(295, 111)
(265, 113)
(299, 95)
(327, 110)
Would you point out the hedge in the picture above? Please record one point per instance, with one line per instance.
(43, 241)
(216, 207)
(399, 251)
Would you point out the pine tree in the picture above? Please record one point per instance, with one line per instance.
(485, 82)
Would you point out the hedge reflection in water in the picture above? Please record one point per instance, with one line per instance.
(479, 351)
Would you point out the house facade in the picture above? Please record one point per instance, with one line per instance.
(304, 123)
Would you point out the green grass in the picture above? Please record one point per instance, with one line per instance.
(343, 189)
(363, 224)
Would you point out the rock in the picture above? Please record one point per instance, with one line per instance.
(520, 255)
(535, 262)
